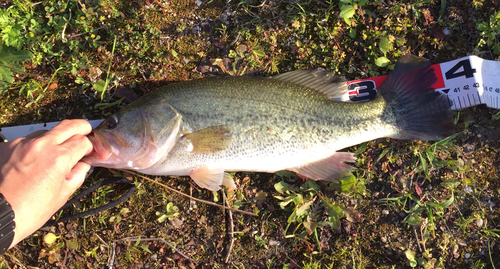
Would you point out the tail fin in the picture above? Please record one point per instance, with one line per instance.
(418, 112)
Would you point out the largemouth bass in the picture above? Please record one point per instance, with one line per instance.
(205, 127)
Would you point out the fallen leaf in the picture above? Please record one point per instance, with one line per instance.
(128, 94)
(418, 190)
(52, 86)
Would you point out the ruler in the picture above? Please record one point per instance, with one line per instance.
(11, 133)
(468, 81)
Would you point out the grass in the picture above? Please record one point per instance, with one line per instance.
(408, 203)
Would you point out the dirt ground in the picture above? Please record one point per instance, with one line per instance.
(409, 204)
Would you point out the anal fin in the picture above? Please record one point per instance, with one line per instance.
(330, 168)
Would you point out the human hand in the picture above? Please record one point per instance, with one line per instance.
(39, 172)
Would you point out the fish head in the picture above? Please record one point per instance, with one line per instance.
(135, 137)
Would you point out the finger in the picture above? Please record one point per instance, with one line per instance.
(36, 134)
(76, 177)
(78, 146)
(68, 128)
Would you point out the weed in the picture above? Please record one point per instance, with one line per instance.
(410, 255)
(490, 31)
(433, 210)
(34, 88)
(102, 86)
(385, 46)
(171, 212)
(52, 249)
(103, 106)
(92, 253)
(118, 217)
(11, 42)
(496, 116)
(479, 265)
(464, 222)
(12, 24)
(348, 9)
(427, 156)
(489, 253)
(307, 204)
(10, 60)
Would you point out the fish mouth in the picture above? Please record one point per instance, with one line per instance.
(102, 149)
(106, 152)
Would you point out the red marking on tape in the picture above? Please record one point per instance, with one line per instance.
(379, 80)
(439, 74)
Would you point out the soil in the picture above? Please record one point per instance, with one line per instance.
(392, 212)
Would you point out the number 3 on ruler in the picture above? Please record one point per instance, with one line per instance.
(468, 71)
(362, 90)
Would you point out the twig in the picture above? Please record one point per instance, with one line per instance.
(191, 197)
(111, 259)
(143, 76)
(191, 202)
(321, 3)
(63, 265)
(231, 229)
(224, 201)
(235, 40)
(416, 237)
(415, 230)
(101, 239)
(261, 5)
(422, 235)
(64, 30)
(138, 238)
(14, 260)
(449, 230)
(75, 35)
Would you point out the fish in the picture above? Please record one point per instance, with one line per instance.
(294, 121)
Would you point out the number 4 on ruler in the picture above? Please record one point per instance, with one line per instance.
(468, 71)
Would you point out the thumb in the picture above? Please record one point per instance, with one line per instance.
(76, 177)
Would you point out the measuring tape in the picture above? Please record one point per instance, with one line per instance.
(468, 81)
(11, 133)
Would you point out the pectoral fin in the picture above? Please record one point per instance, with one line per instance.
(210, 140)
(212, 179)
(329, 169)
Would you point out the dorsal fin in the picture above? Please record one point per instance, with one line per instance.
(330, 85)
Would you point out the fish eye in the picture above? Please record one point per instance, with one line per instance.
(111, 122)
